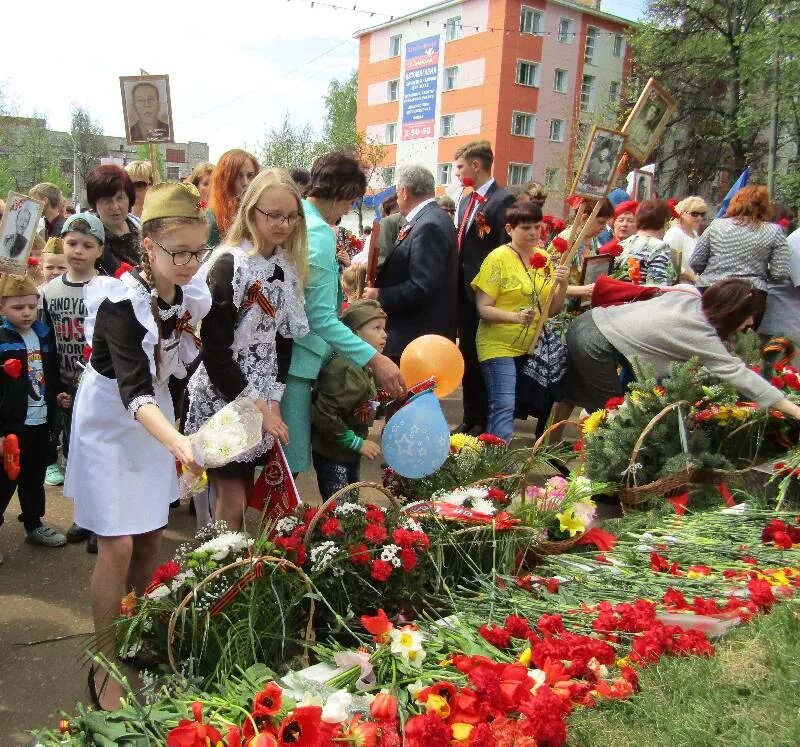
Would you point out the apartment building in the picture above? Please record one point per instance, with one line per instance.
(530, 76)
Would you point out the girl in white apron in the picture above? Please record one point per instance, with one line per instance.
(124, 443)
(256, 282)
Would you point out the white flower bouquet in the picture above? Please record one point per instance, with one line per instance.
(226, 435)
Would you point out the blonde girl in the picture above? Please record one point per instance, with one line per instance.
(123, 446)
(256, 282)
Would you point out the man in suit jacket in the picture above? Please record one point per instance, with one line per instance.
(417, 285)
(480, 219)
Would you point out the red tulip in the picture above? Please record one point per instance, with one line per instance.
(384, 707)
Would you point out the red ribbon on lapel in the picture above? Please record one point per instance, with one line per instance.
(185, 326)
(256, 296)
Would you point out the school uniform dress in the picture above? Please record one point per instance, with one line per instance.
(121, 478)
(247, 337)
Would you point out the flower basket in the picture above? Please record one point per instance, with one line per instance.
(557, 547)
(631, 494)
(256, 571)
(312, 525)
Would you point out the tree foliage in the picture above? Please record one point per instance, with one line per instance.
(88, 139)
(716, 57)
(340, 131)
(290, 146)
(143, 154)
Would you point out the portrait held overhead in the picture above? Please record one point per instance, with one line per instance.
(410, 374)
(147, 108)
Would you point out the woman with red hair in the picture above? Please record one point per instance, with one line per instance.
(743, 244)
(231, 177)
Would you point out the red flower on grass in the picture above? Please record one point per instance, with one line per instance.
(165, 573)
(302, 727)
(498, 637)
(381, 570)
(427, 731)
(378, 626)
(193, 733)
(268, 701)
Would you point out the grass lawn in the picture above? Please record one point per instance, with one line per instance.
(746, 695)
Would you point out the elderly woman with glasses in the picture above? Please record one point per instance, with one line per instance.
(685, 230)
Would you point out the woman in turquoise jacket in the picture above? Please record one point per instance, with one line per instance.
(336, 180)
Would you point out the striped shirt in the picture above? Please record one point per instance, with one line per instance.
(728, 249)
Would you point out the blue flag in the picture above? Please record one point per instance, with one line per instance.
(737, 185)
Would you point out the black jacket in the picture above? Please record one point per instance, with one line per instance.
(14, 390)
(474, 248)
(418, 282)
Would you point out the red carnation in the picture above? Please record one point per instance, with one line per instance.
(497, 495)
(491, 440)
(359, 554)
(427, 731)
(538, 261)
(331, 528)
(614, 403)
(165, 573)
(12, 367)
(517, 626)
(86, 354)
(672, 202)
(560, 244)
(375, 533)
(467, 181)
(408, 558)
(784, 223)
(611, 248)
(33, 262)
(381, 570)
(761, 593)
(498, 637)
(122, 269)
(374, 514)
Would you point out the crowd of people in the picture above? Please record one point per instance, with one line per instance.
(140, 318)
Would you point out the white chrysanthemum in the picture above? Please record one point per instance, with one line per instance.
(455, 498)
(474, 493)
(484, 506)
(346, 509)
(228, 543)
(287, 525)
(322, 555)
(389, 555)
(411, 524)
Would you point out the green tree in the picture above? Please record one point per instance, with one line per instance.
(340, 131)
(715, 57)
(371, 153)
(88, 141)
(6, 180)
(290, 146)
(143, 154)
(53, 175)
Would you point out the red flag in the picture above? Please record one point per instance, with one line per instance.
(680, 502)
(275, 492)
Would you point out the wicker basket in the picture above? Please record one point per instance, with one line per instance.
(281, 563)
(312, 525)
(713, 476)
(631, 494)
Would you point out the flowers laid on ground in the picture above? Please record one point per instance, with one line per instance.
(563, 506)
(471, 459)
(357, 553)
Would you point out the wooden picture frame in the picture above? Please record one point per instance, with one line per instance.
(17, 229)
(648, 119)
(595, 266)
(642, 185)
(144, 104)
(597, 171)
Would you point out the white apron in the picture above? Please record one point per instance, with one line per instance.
(121, 479)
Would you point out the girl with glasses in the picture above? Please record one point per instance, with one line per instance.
(123, 445)
(256, 280)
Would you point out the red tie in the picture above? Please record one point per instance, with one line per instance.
(462, 229)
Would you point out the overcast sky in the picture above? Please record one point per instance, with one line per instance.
(235, 67)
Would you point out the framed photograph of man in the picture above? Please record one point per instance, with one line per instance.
(599, 163)
(147, 108)
(593, 267)
(648, 120)
(642, 188)
(16, 231)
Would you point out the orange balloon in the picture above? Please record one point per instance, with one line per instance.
(433, 356)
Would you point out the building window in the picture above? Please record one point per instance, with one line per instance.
(587, 93)
(613, 92)
(388, 175)
(452, 28)
(519, 173)
(391, 133)
(560, 80)
(444, 173)
(450, 78)
(530, 20)
(447, 125)
(565, 30)
(393, 90)
(591, 45)
(394, 45)
(551, 178)
(619, 45)
(523, 124)
(557, 130)
(173, 173)
(527, 73)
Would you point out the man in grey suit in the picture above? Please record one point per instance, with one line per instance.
(417, 285)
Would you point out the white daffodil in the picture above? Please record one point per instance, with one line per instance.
(407, 644)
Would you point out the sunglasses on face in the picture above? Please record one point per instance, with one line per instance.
(697, 214)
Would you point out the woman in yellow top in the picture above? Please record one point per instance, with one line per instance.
(511, 288)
